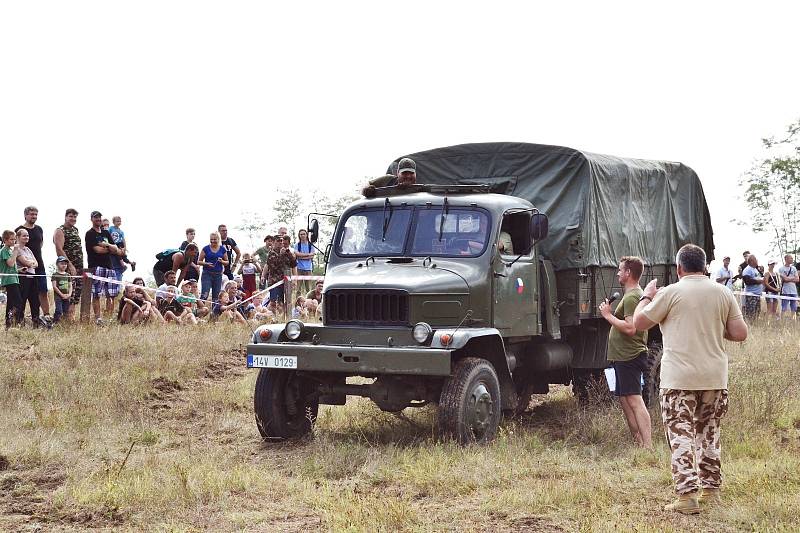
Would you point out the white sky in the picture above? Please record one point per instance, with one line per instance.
(188, 113)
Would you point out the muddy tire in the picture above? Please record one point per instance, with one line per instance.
(652, 377)
(285, 404)
(469, 405)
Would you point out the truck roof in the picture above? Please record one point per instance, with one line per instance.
(457, 195)
(600, 207)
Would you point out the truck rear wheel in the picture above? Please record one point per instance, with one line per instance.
(285, 404)
(469, 405)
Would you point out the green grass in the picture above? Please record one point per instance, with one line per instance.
(149, 429)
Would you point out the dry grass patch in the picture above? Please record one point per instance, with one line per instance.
(149, 429)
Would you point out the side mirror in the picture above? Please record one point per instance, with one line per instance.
(539, 226)
(313, 230)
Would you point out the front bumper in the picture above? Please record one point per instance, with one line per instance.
(360, 360)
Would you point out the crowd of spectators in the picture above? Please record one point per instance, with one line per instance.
(194, 283)
(771, 291)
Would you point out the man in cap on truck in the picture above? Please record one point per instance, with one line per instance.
(406, 176)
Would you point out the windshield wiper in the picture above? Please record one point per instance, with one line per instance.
(445, 210)
(386, 219)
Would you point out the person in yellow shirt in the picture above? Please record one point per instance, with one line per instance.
(695, 315)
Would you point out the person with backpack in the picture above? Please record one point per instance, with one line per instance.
(176, 261)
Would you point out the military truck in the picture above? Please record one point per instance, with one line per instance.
(478, 286)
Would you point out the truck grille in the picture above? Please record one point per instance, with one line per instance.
(372, 307)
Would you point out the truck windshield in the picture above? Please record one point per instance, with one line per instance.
(459, 232)
(374, 232)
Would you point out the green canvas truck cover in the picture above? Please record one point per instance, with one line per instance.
(600, 207)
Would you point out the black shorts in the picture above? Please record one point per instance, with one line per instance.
(629, 375)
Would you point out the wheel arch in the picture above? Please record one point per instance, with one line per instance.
(490, 346)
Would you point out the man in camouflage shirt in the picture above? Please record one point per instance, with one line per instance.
(278, 260)
(69, 244)
(695, 315)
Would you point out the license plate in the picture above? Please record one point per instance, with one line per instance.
(271, 361)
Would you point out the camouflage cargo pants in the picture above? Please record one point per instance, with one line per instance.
(692, 422)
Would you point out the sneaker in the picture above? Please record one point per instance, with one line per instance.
(46, 321)
(100, 322)
(685, 504)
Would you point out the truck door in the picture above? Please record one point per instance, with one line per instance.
(515, 279)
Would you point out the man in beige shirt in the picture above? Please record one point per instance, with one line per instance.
(695, 316)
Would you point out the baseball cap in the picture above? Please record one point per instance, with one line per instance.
(726, 257)
(771, 262)
(406, 165)
(62, 259)
(96, 214)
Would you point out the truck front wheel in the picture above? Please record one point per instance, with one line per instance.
(469, 405)
(286, 404)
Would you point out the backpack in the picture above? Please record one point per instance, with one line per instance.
(167, 254)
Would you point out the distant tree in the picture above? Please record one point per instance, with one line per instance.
(772, 191)
(287, 209)
(253, 226)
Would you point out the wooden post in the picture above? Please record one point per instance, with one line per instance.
(86, 299)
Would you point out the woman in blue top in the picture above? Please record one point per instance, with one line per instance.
(213, 259)
(304, 253)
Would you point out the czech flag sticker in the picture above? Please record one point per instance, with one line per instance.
(520, 286)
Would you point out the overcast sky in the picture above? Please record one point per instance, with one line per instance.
(188, 113)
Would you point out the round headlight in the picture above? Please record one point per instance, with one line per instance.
(293, 329)
(422, 332)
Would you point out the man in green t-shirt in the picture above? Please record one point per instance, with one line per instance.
(627, 350)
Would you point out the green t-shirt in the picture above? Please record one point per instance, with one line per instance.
(5, 255)
(62, 281)
(620, 346)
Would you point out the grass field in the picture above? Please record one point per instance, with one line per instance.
(152, 430)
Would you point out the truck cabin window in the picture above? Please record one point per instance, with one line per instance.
(515, 235)
(378, 231)
(460, 231)
(382, 232)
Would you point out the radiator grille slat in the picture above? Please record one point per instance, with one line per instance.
(369, 307)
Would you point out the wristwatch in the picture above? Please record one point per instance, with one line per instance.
(645, 297)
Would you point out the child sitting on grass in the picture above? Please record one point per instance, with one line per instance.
(187, 299)
(202, 309)
(300, 310)
(261, 311)
(137, 307)
(224, 308)
(172, 310)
